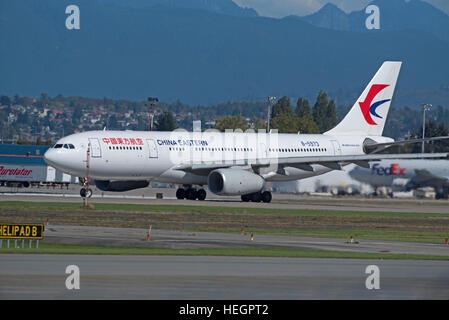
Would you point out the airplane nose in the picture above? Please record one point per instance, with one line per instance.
(49, 157)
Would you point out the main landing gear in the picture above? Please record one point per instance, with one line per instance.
(257, 197)
(190, 193)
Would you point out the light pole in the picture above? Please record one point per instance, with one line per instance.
(152, 101)
(426, 107)
(271, 100)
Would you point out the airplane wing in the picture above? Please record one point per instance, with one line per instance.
(371, 146)
(304, 163)
(425, 177)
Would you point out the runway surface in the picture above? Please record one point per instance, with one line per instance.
(197, 277)
(85, 235)
(168, 277)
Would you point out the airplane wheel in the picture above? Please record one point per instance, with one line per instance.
(181, 193)
(85, 194)
(191, 194)
(266, 196)
(256, 197)
(245, 198)
(201, 194)
(439, 196)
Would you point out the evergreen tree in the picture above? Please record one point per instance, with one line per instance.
(302, 108)
(307, 125)
(165, 122)
(331, 115)
(282, 106)
(319, 111)
(324, 112)
(285, 123)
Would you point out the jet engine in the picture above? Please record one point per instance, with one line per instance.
(234, 182)
(119, 186)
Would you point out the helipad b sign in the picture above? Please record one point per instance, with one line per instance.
(21, 231)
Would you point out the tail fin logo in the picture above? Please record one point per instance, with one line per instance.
(369, 109)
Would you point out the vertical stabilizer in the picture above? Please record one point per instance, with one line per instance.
(369, 114)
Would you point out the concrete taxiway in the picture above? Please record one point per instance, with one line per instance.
(167, 277)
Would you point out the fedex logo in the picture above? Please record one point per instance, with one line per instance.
(394, 170)
(368, 108)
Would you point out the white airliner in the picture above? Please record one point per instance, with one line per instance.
(232, 163)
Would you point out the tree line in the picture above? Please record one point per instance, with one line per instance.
(303, 117)
(287, 119)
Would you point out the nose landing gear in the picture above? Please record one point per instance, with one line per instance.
(85, 193)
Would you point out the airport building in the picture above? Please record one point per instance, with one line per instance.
(24, 165)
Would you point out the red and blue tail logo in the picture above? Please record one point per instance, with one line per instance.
(369, 109)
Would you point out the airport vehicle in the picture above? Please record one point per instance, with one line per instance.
(406, 175)
(232, 163)
(24, 166)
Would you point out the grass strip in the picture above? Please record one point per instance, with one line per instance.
(53, 248)
(117, 207)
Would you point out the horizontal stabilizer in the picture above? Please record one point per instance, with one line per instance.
(370, 146)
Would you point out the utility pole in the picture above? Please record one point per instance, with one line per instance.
(271, 100)
(426, 107)
(152, 101)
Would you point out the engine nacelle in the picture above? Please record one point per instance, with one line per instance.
(233, 182)
(119, 186)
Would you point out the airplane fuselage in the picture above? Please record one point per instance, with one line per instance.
(141, 155)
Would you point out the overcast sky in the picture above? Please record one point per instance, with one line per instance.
(282, 8)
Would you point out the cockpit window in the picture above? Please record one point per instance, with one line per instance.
(65, 146)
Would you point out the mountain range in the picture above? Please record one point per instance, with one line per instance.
(217, 6)
(395, 15)
(201, 52)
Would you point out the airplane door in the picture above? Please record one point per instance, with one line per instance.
(262, 152)
(95, 149)
(152, 147)
(337, 148)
